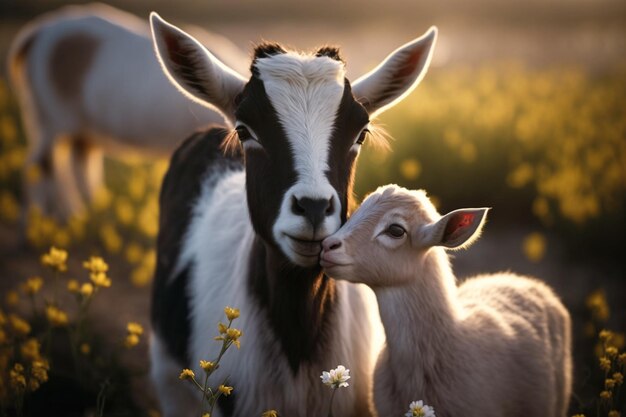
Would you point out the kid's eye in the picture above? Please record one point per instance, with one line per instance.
(396, 231)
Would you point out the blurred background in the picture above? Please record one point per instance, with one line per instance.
(523, 110)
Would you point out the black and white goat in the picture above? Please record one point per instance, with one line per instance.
(245, 230)
(88, 83)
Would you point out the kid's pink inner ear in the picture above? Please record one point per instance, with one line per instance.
(458, 222)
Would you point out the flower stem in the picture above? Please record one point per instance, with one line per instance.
(330, 404)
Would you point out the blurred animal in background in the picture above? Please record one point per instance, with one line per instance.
(244, 228)
(88, 83)
(482, 349)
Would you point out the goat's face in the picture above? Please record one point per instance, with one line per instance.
(385, 240)
(301, 130)
(300, 125)
(375, 246)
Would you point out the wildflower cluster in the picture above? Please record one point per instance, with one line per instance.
(23, 367)
(228, 336)
(613, 364)
(134, 331)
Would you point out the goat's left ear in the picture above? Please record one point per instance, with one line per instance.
(396, 76)
(457, 229)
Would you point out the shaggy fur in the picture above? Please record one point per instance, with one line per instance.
(498, 345)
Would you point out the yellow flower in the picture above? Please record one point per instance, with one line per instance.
(39, 370)
(270, 413)
(231, 313)
(225, 389)
(206, 415)
(618, 377)
(20, 326)
(187, 374)
(605, 363)
(222, 328)
(605, 395)
(609, 383)
(96, 264)
(134, 328)
(55, 259)
(534, 246)
(85, 349)
(72, 286)
(131, 340)
(30, 349)
(32, 285)
(207, 365)
(33, 384)
(17, 379)
(100, 279)
(578, 415)
(611, 351)
(614, 413)
(86, 289)
(622, 359)
(12, 298)
(56, 316)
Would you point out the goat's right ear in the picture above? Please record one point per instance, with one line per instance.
(456, 230)
(194, 70)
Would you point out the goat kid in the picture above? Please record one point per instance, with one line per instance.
(498, 345)
(88, 83)
(244, 229)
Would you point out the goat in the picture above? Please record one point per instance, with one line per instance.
(88, 82)
(244, 228)
(498, 345)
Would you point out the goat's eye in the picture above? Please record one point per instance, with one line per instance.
(396, 231)
(243, 133)
(362, 136)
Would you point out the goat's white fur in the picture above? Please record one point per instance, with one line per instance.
(498, 345)
(226, 204)
(125, 102)
(290, 81)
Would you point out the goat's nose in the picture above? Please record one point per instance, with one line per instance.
(331, 243)
(313, 209)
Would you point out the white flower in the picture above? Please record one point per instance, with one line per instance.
(419, 409)
(336, 378)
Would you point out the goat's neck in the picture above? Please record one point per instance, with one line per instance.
(420, 320)
(299, 302)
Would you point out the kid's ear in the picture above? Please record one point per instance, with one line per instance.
(456, 230)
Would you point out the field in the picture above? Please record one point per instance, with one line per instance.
(536, 131)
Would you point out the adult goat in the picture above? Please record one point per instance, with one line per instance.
(245, 229)
(88, 83)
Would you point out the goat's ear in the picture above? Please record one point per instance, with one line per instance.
(194, 70)
(456, 230)
(396, 76)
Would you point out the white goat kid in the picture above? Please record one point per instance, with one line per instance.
(498, 345)
(88, 82)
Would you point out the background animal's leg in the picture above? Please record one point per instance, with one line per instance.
(88, 167)
(65, 190)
